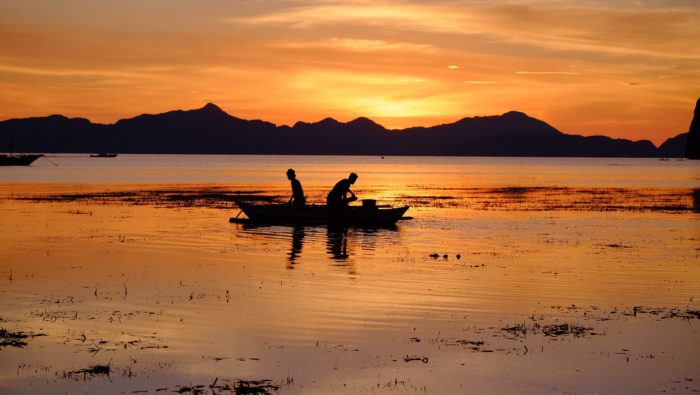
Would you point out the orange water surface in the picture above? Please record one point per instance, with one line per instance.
(132, 264)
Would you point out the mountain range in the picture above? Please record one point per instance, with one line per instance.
(210, 130)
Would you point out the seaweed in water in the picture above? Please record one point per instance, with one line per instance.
(410, 358)
(197, 389)
(257, 387)
(565, 329)
(207, 197)
(15, 339)
(665, 313)
(516, 330)
(552, 330)
(12, 339)
(88, 373)
(240, 387)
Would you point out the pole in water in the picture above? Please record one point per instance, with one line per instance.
(238, 220)
(50, 161)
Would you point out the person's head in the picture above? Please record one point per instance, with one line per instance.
(352, 178)
(291, 174)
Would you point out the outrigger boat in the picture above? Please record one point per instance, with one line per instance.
(368, 214)
(18, 160)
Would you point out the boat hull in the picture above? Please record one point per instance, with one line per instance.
(320, 214)
(18, 160)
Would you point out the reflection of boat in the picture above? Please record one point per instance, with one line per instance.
(338, 237)
(104, 155)
(353, 215)
(18, 160)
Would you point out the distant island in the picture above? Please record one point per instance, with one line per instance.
(210, 130)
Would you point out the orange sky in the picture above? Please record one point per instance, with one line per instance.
(626, 69)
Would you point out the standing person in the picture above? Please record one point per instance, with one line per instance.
(298, 199)
(338, 196)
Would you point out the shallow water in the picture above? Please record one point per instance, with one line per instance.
(131, 263)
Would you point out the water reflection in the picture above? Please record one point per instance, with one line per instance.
(341, 242)
(297, 244)
(337, 243)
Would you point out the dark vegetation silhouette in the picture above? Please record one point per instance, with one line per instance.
(692, 148)
(674, 147)
(210, 130)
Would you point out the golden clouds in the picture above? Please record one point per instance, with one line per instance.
(402, 63)
(358, 45)
(481, 82)
(381, 14)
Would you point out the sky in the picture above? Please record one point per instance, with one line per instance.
(626, 69)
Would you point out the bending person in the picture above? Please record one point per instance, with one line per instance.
(338, 196)
(298, 199)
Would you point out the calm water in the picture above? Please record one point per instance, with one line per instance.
(573, 276)
(325, 170)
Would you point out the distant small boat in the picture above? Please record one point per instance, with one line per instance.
(18, 160)
(104, 155)
(321, 214)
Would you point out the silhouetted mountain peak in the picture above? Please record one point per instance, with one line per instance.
(209, 115)
(328, 121)
(211, 107)
(364, 122)
(515, 115)
(324, 123)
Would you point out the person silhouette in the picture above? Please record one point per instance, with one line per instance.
(338, 196)
(298, 199)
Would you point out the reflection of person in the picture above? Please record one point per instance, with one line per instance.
(298, 199)
(337, 243)
(338, 196)
(297, 244)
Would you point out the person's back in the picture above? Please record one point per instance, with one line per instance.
(297, 193)
(337, 197)
(298, 199)
(337, 194)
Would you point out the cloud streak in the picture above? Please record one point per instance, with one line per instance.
(549, 72)
(566, 26)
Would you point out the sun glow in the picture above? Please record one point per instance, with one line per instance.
(415, 63)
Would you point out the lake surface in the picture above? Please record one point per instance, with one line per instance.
(515, 275)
